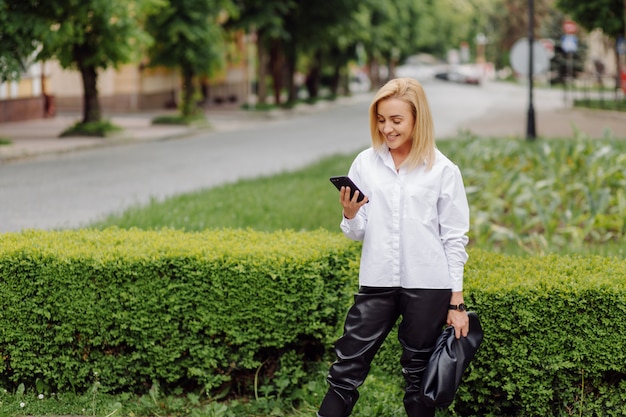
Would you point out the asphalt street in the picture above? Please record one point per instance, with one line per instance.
(71, 190)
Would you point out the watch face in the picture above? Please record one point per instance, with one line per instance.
(462, 307)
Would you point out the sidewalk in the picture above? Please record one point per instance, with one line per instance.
(555, 123)
(38, 137)
(41, 136)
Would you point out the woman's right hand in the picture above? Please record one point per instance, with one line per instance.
(350, 206)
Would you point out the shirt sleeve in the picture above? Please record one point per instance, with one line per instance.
(454, 224)
(353, 228)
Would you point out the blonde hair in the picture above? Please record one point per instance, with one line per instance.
(411, 92)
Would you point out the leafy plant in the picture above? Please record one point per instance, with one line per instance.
(99, 129)
(188, 36)
(617, 105)
(550, 195)
(198, 120)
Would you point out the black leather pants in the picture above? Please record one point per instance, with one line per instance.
(369, 321)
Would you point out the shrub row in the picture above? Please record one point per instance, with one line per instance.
(554, 343)
(222, 309)
(181, 309)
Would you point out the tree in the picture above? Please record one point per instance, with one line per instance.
(266, 18)
(22, 33)
(325, 38)
(188, 35)
(400, 28)
(608, 15)
(507, 22)
(91, 35)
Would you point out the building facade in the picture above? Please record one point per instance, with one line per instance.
(46, 88)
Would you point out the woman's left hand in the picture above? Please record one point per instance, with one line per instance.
(458, 319)
(460, 322)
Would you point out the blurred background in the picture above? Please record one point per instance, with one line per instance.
(133, 55)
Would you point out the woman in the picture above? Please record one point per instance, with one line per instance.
(414, 236)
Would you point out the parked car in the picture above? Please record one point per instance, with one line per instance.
(463, 74)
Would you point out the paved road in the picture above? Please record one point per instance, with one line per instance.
(71, 190)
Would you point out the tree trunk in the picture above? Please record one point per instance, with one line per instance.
(314, 76)
(374, 74)
(277, 62)
(91, 104)
(291, 72)
(339, 83)
(261, 69)
(334, 83)
(188, 104)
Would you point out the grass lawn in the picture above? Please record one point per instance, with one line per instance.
(560, 196)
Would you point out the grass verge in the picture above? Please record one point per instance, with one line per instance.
(598, 104)
(177, 119)
(99, 129)
(562, 196)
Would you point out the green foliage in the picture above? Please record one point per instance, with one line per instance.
(301, 200)
(161, 309)
(98, 402)
(188, 36)
(99, 129)
(94, 33)
(615, 105)
(5, 141)
(87, 36)
(19, 38)
(607, 15)
(203, 310)
(199, 120)
(550, 333)
(551, 347)
(543, 195)
(556, 195)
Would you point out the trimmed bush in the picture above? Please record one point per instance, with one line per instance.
(181, 309)
(553, 340)
(228, 310)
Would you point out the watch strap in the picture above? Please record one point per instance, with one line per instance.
(459, 307)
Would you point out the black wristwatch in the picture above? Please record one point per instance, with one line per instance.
(460, 307)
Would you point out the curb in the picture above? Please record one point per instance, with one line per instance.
(29, 148)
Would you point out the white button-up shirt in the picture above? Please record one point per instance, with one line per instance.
(414, 229)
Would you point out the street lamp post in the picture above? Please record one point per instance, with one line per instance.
(530, 120)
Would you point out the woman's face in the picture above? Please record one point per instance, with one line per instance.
(395, 123)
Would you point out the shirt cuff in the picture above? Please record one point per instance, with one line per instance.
(350, 225)
(345, 224)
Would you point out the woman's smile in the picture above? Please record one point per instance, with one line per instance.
(396, 124)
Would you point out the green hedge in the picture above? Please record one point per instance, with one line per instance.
(554, 343)
(181, 309)
(217, 308)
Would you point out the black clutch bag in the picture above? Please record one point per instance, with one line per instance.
(448, 363)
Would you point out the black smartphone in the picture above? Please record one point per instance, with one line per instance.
(343, 181)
